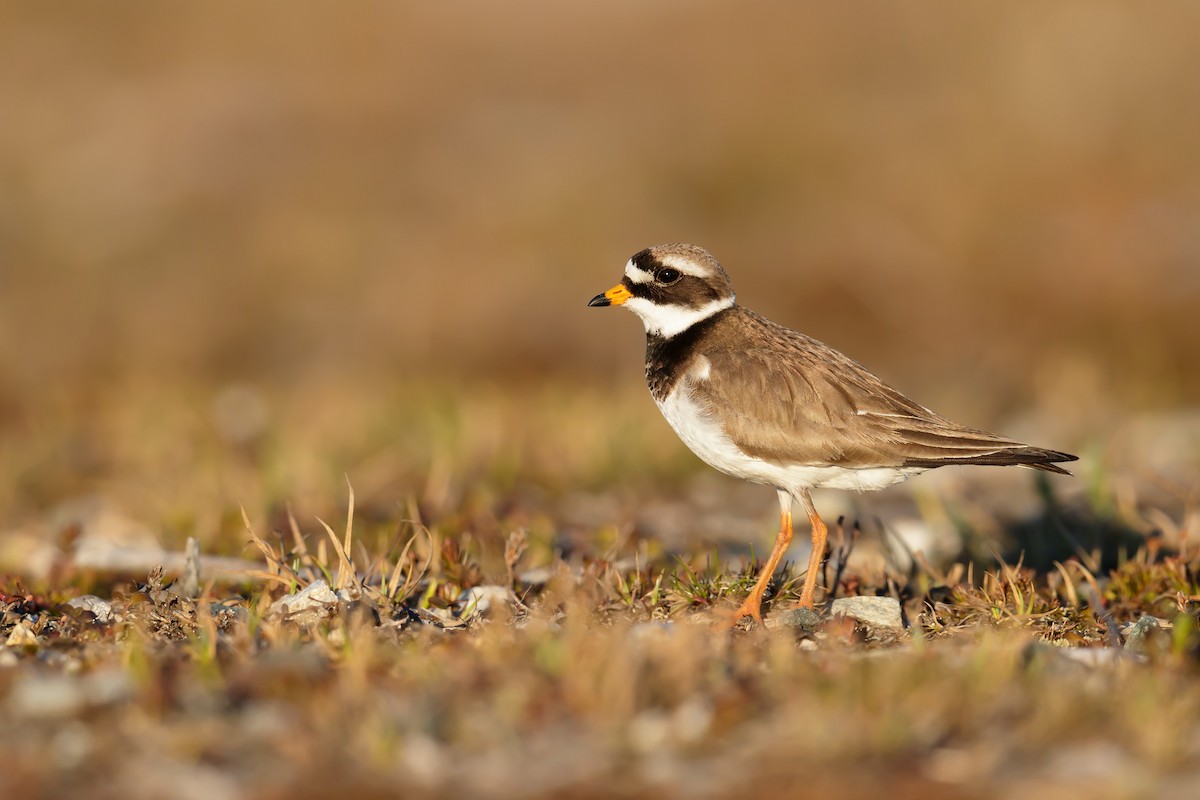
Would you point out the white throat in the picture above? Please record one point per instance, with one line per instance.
(667, 321)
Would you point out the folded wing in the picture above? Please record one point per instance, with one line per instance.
(817, 407)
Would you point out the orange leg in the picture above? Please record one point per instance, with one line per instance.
(752, 607)
(819, 536)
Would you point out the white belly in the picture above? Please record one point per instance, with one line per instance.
(707, 439)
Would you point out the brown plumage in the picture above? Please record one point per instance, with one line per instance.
(796, 400)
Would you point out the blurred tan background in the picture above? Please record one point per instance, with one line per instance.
(997, 210)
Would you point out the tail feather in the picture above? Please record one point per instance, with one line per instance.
(1016, 456)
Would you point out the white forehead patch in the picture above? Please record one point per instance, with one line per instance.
(635, 275)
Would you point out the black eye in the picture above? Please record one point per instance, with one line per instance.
(667, 276)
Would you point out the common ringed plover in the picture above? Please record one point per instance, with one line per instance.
(764, 403)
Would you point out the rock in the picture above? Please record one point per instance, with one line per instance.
(226, 612)
(486, 601)
(101, 609)
(873, 612)
(309, 606)
(21, 637)
(1145, 634)
(802, 620)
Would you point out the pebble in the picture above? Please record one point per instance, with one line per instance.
(804, 620)
(873, 612)
(101, 609)
(486, 601)
(21, 637)
(1145, 632)
(309, 606)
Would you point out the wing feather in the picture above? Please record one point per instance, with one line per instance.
(791, 399)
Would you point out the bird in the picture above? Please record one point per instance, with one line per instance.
(762, 402)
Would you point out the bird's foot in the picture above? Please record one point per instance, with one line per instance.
(752, 608)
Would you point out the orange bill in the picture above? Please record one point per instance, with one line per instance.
(613, 297)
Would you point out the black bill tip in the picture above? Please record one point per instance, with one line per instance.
(599, 300)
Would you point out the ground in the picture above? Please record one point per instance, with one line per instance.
(526, 618)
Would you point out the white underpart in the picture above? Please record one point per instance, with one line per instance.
(668, 320)
(703, 433)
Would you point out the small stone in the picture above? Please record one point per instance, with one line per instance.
(486, 601)
(229, 611)
(873, 612)
(309, 606)
(21, 637)
(803, 620)
(1141, 635)
(101, 609)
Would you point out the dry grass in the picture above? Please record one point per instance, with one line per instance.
(604, 676)
(582, 697)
